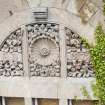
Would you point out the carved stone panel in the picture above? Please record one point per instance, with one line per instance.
(11, 63)
(43, 48)
(78, 57)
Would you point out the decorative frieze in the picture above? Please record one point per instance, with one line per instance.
(11, 63)
(43, 44)
(78, 57)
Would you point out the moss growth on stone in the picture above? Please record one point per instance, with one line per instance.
(97, 54)
(85, 92)
(98, 60)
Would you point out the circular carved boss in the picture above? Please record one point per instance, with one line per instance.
(45, 51)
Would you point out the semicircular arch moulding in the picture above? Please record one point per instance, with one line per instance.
(78, 58)
(44, 49)
(11, 63)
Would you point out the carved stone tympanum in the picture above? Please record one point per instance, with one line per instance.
(43, 42)
(11, 63)
(44, 52)
(78, 57)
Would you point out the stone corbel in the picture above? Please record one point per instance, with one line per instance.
(41, 14)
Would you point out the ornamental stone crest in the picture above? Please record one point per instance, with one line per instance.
(78, 57)
(43, 42)
(11, 63)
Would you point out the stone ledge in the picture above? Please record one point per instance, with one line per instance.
(40, 87)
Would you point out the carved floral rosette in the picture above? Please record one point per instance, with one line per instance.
(11, 63)
(78, 57)
(43, 42)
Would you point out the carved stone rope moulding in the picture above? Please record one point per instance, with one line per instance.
(44, 50)
(11, 63)
(78, 57)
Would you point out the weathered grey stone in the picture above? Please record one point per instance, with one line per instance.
(37, 80)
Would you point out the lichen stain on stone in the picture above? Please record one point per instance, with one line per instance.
(63, 1)
(81, 13)
(85, 10)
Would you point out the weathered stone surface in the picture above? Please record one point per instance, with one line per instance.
(45, 87)
(98, 3)
(11, 6)
(35, 34)
(97, 18)
(86, 10)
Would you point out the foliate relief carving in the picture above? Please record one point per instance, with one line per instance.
(11, 68)
(11, 55)
(13, 43)
(78, 57)
(44, 49)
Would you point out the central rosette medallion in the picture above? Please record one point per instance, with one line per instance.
(45, 51)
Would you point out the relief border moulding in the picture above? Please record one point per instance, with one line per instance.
(44, 50)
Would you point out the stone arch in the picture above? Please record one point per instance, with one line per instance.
(23, 22)
(57, 15)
